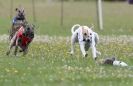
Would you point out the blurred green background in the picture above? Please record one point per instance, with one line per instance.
(117, 16)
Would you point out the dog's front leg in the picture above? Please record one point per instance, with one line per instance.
(82, 48)
(11, 45)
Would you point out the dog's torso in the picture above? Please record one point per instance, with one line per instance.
(22, 39)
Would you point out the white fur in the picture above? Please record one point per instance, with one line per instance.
(77, 36)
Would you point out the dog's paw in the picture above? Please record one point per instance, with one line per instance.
(71, 52)
(95, 58)
(98, 53)
(20, 50)
(15, 53)
(8, 52)
(85, 55)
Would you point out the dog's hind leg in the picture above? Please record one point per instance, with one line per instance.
(73, 40)
(15, 51)
(98, 52)
(9, 50)
(25, 51)
(72, 47)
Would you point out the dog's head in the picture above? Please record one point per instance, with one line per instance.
(20, 12)
(87, 34)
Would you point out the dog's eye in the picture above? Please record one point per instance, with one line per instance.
(90, 33)
(28, 28)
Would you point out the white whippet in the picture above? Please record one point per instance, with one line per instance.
(86, 38)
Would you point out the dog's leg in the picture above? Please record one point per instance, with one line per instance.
(25, 51)
(11, 45)
(96, 42)
(98, 52)
(73, 40)
(94, 52)
(82, 48)
(16, 47)
(72, 47)
(15, 51)
(9, 50)
(93, 46)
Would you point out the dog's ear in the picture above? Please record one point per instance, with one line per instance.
(33, 26)
(22, 9)
(92, 26)
(16, 9)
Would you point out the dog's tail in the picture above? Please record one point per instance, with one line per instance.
(76, 25)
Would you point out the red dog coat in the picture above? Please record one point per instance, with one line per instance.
(24, 40)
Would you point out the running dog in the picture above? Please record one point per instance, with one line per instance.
(86, 38)
(22, 38)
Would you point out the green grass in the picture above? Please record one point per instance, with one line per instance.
(49, 64)
(117, 16)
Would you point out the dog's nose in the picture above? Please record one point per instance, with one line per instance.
(83, 39)
(88, 40)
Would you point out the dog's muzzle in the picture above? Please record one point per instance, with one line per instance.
(86, 40)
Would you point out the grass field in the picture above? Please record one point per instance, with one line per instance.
(48, 62)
